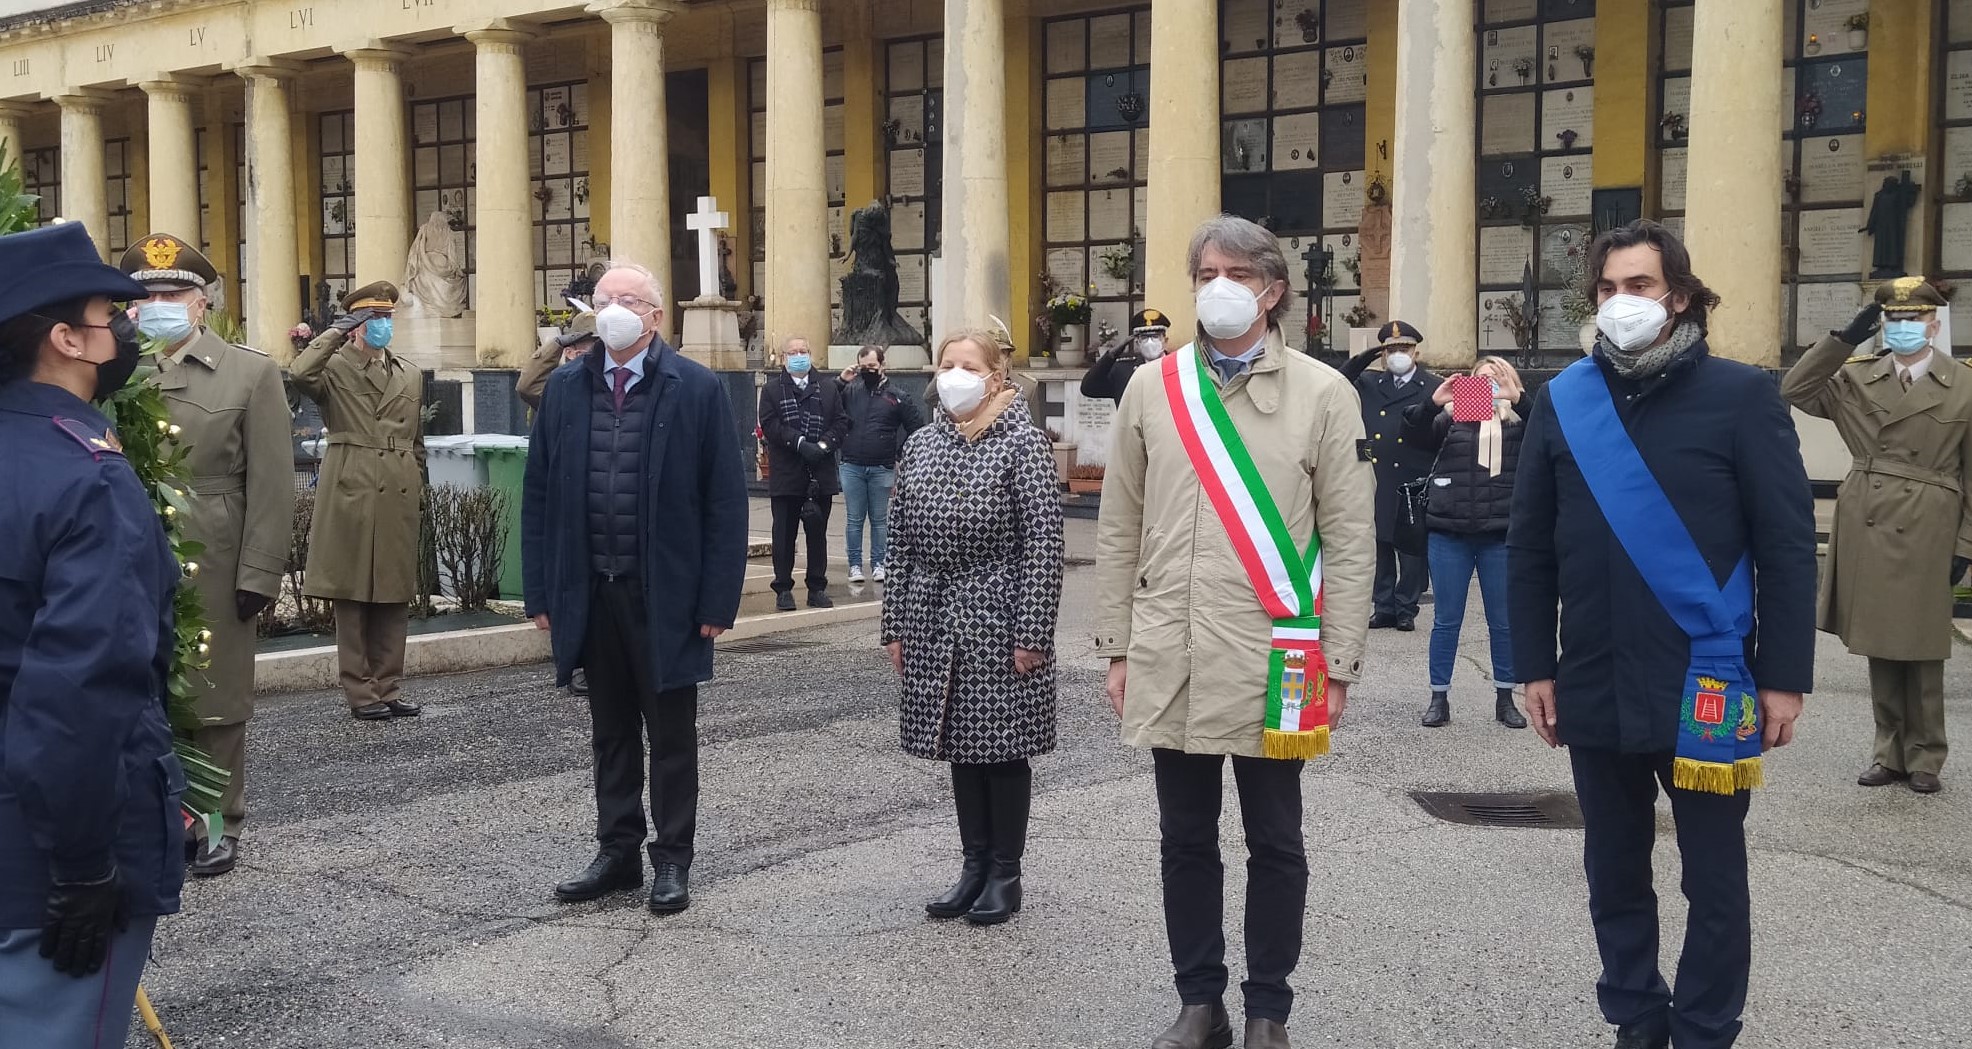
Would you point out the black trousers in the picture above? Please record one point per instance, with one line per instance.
(1400, 581)
(1618, 793)
(1189, 789)
(787, 523)
(624, 710)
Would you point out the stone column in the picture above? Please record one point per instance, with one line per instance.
(85, 196)
(503, 295)
(1732, 216)
(273, 249)
(382, 179)
(1434, 242)
(639, 143)
(12, 116)
(974, 235)
(1183, 167)
(797, 193)
(174, 159)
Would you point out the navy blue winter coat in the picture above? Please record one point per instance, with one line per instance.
(88, 781)
(1720, 442)
(693, 540)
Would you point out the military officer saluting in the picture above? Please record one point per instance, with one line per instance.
(1902, 521)
(89, 788)
(234, 423)
(363, 544)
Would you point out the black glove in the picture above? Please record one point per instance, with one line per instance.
(82, 918)
(815, 452)
(249, 604)
(1958, 567)
(349, 322)
(1863, 326)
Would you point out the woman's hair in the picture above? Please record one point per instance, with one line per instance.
(1677, 265)
(867, 350)
(997, 356)
(21, 337)
(1511, 387)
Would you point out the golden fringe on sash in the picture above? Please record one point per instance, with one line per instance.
(1750, 773)
(1711, 777)
(1295, 745)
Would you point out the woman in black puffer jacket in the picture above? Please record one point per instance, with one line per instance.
(1471, 498)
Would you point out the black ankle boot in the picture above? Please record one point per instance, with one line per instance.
(1504, 710)
(975, 837)
(1009, 797)
(1439, 711)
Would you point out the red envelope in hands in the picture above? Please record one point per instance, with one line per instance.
(1472, 398)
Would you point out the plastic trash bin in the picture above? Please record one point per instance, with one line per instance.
(451, 460)
(504, 459)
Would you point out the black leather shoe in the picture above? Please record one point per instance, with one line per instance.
(1878, 776)
(1380, 621)
(1198, 1027)
(371, 712)
(1438, 711)
(608, 873)
(214, 860)
(670, 889)
(578, 682)
(400, 709)
(820, 599)
(1926, 782)
(1508, 714)
(1406, 623)
(784, 601)
(1654, 1033)
(1266, 1034)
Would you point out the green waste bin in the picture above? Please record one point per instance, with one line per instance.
(506, 470)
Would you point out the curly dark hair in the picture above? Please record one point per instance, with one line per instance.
(1677, 265)
(21, 337)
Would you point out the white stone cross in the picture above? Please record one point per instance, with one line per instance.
(707, 222)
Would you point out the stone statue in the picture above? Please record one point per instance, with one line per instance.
(435, 271)
(1887, 225)
(869, 291)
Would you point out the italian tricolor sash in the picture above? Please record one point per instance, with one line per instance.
(1287, 582)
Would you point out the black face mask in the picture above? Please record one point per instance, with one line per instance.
(112, 375)
(871, 377)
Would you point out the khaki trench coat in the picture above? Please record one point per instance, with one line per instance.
(234, 423)
(533, 381)
(1903, 509)
(363, 545)
(1171, 593)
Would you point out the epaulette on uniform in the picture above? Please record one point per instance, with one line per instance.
(249, 349)
(97, 445)
(1860, 358)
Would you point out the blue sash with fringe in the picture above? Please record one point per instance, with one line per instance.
(1719, 728)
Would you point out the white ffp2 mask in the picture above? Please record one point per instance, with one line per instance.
(960, 391)
(619, 326)
(1227, 308)
(1631, 322)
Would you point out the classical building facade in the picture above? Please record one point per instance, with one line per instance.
(1438, 160)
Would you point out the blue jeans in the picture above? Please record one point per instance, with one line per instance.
(866, 495)
(1453, 559)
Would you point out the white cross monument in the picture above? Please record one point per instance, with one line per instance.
(712, 335)
(707, 222)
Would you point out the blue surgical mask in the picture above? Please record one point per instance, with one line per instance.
(798, 364)
(167, 322)
(1906, 337)
(377, 332)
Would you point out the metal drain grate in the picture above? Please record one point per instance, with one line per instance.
(764, 646)
(1540, 811)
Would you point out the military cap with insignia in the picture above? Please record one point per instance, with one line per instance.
(1149, 318)
(1909, 295)
(1398, 333)
(581, 329)
(379, 298)
(162, 262)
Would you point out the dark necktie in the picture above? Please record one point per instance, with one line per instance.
(621, 387)
(1229, 367)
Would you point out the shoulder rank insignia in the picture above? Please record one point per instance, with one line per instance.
(249, 349)
(96, 444)
(1861, 359)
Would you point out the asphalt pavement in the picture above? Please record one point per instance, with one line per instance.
(395, 887)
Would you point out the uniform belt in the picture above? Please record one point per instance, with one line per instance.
(221, 485)
(1906, 471)
(357, 440)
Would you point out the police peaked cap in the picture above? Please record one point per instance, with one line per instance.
(53, 264)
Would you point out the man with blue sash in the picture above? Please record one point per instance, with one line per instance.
(1662, 522)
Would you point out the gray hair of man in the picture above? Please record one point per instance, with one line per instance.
(1249, 242)
(654, 293)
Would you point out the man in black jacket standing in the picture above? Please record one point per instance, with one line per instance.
(802, 420)
(1645, 693)
(880, 421)
(1401, 575)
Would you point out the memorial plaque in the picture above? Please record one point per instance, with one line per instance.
(580, 197)
(906, 172)
(1831, 169)
(759, 179)
(1141, 139)
(1346, 248)
(1495, 334)
(1342, 198)
(1110, 214)
(1347, 19)
(1505, 182)
(907, 62)
(1829, 242)
(758, 134)
(1297, 142)
(1142, 36)
(1244, 195)
(1067, 46)
(1677, 99)
(1108, 92)
(1504, 54)
(1065, 217)
(427, 202)
(1958, 85)
(1787, 93)
(934, 70)
(1670, 179)
(908, 112)
(424, 124)
(834, 177)
(334, 212)
(1822, 308)
(1958, 158)
(1559, 62)
(1507, 124)
(1109, 41)
(1294, 199)
(554, 154)
(451, 165)
(1569, 183)
(561, 199)
(1677, 39)
(1342, 136)
(1297, 79)
(332, 174)
(555, 110)
(1842, 88)
(1244, 25)
(1568, 109)
(1109, 158)
(911, 278)
(1512, 10)
(907, 227)
(1825, 25)
(1067, 104)
(451, 121)
(1067, 160)
(832, 73)
(560, 240)
(1243, 146)
(1291, 248)
(1141, 212)
(1504, 253)
(1555, 334)
(1958, 30)
(1243, 86)
(1069, 267)
(1348, 72)
(1106, 285)
(1674, 223)
(1955, 242)
(832, 127)
(1560, 247)
(578, 151)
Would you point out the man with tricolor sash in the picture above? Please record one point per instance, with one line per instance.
(1235, 556)
(1662, 521)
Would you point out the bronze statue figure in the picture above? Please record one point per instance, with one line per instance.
(1886, 223)
(869, 290)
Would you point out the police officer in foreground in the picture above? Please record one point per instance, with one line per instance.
(1110, 375)
(1902, 530)
(234, 423)
(1400, 576)
(89, 788)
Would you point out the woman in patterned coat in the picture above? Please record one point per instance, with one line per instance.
(969, 612)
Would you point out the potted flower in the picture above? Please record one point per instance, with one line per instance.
(1065, 319)
(1858, 31)
(1064, 454)
(1085, 480)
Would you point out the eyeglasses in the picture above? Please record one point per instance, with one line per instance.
(628, 302)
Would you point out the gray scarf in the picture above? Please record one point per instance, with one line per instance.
(1650, 362)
